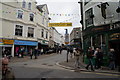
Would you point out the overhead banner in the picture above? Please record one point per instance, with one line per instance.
(60, 24)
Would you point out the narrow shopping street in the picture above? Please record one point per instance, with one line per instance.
(46, 68)
(60, 39)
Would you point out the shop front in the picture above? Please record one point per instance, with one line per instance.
(96, 37)
(114, 42)
(6, 45)
(26, 45)
(43, 44)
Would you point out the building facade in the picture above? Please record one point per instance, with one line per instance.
(23, 26)
(56, 39)
(101, 25)
(75, 37)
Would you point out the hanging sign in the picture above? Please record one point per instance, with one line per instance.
(60, 24)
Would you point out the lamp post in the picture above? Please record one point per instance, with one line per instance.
(81, 7)
(67, 42)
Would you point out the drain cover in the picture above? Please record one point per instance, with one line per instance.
(25, 64)
(44, 64)
(50, 65)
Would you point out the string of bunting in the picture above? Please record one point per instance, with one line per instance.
(52, 14)
(70, 19)
(16, 12)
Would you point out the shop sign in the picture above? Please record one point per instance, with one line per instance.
(7, 41)
(44, 42)
(98, 29)
(1, 42)
(31, 43)
(115, 36)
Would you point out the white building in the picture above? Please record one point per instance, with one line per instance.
(23, 25)
(56, 39)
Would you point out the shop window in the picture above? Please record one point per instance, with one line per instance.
(30, 32)
(20, 14)
(31, 17)
(23, 4)
(42, 33)
(29, 6)
(18, 30)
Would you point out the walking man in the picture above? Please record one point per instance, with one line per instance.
(112, 59)
(90, 56)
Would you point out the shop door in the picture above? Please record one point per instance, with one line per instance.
(116, 45)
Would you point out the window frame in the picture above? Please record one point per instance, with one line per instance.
(32, 16)
(46, 34)
(23, 4)
(29, 5)
(30, 34)
(88, 20)
(42, 33)
(18, 33)
(19, 13)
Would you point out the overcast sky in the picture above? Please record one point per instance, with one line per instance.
(63, 7)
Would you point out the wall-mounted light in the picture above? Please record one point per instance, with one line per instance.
(92, 16)
(118, 9)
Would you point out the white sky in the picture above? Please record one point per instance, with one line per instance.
(63, 7)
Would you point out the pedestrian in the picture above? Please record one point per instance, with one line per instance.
(71, 52)
(7, 73)
(60, 49)
(90, 55)
(74, 51)
(41, 51)
(57, 50)
(77, 56)
(35, 53)
(96, 61)
(31, 53)
(99, 58)
(112, 59)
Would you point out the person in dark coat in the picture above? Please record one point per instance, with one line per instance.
(31, 53)
(112, 59)
(99, 58)
(35, 53)
(90, 56)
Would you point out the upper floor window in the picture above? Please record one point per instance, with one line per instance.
(23, 4)
(20, 14)
(29, 6)
(18, 30)
(89, 17)
(30, 32)
(43, 20)
(42, 33)
(31, 17)
(46, 34)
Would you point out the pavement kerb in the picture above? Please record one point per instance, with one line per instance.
(96, 71)
(58, 64)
